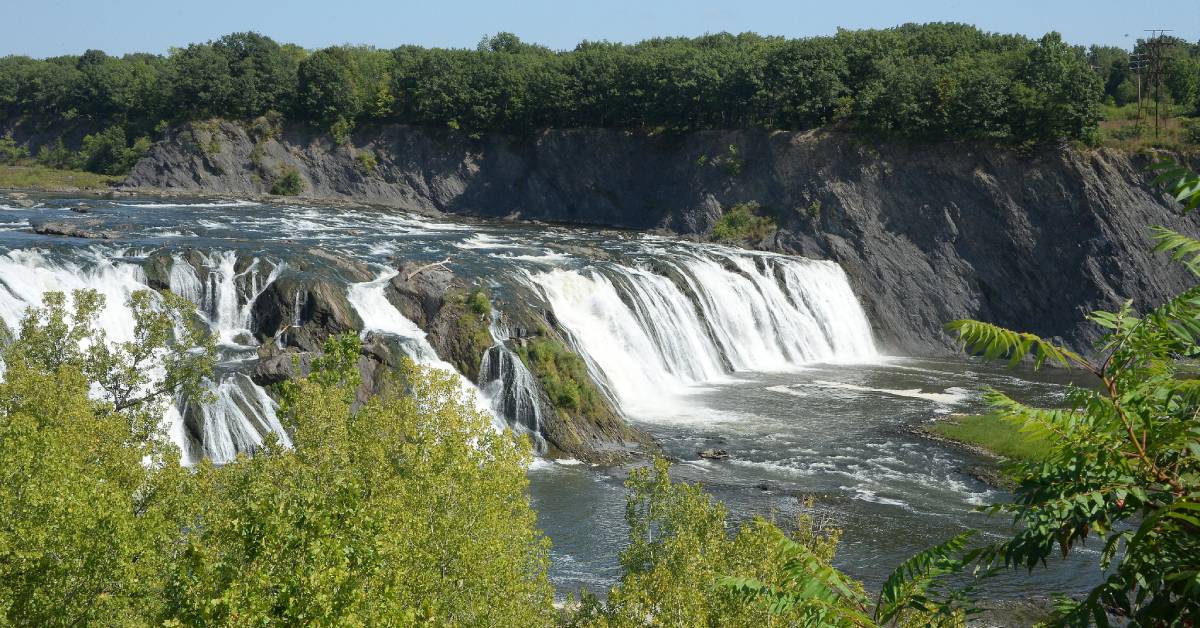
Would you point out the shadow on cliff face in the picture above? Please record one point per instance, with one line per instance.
(927, 233)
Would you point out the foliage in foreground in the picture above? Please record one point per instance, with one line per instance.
(683, 568)
(1124, 465)
(410, 509)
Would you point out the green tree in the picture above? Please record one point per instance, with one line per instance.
(327, 89)
(1057, 95)
(88, 485)
(411, 507)
(262, 74)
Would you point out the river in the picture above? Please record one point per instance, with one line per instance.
(768, 357)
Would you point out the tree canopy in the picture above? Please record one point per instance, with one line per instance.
(916, 81)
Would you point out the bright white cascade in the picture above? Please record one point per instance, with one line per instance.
(652, 337)
(227, 297)
(379, 315)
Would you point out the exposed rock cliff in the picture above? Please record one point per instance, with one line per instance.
(927, 233)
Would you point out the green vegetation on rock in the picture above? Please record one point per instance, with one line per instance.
(563, 376)
(479, 302)
(288, 183)
(989, 432)
(741, 223)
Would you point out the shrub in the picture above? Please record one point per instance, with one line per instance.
(56, 155)
(341, 129)
(288, 183)
(741, 223)
(479, 302)
(563, 376)
(106, 152)
(734, 164)
(366, 161)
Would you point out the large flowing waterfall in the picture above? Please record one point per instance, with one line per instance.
(700, 316)
(654, 319)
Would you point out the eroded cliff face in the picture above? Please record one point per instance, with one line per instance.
(927, 234)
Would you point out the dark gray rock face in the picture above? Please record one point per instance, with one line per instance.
(927, 234)
(302, 311)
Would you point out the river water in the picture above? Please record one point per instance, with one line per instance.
(768, 357)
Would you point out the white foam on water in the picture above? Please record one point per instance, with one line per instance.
(185, 205)
(950, 396)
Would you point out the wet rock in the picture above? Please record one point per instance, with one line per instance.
(18, 199)
(280, 367)
(352, 270)
(433, 297)
(94, 228)
(713, 454)
(81, 208)
(301, 311)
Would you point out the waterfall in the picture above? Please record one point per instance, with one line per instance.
(236, 421)
(511, 388)
(652, 337)
(227, 297)
(379, 315)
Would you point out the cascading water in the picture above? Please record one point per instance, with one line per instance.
(241, 413)
(235, 422)
(227, 297)
(379, 315)
(511, 388)
(651, 337)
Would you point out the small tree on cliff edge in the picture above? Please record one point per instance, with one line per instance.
(1125, 464)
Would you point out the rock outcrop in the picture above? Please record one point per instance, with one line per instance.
(90, 228)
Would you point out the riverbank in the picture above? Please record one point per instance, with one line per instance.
(988, 433)
(989, 436)
(44, 179)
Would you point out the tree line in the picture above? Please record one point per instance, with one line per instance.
(923, 82)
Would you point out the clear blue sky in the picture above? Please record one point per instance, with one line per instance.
(48, 27)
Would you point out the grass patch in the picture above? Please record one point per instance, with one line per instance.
(989, 432)
(32, 177)
(563, 375)
(743, 222)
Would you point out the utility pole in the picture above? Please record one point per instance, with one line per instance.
(1137, 63)
(1154, 49)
